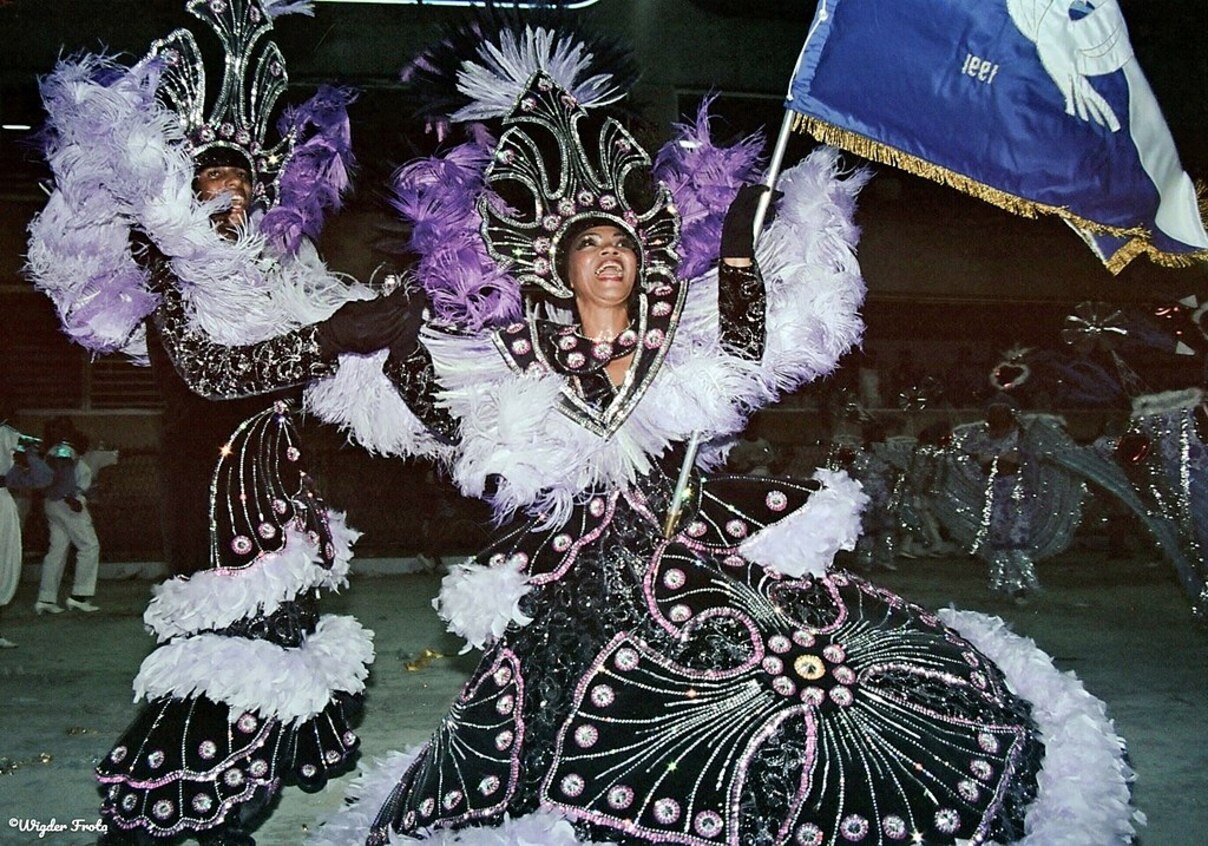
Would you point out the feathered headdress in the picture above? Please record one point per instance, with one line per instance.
(488, 216)
(228, 123)
(120, 142)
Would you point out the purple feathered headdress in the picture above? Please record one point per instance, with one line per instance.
(704, 178)
(437, 197)
(440, 197)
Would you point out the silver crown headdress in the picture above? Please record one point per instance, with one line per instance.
(547, 175)
(253, 78)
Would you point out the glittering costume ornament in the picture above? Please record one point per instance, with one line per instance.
(710, 681)
(1156, 468)
(251, 688)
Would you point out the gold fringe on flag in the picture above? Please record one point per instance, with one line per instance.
(1138, 237)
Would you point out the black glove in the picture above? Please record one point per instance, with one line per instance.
(74, 504)
(364, 326)
(738, 229)
(407, 339)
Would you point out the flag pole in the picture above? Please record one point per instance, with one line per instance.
(682, 494)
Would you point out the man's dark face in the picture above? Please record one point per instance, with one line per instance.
(236, 182)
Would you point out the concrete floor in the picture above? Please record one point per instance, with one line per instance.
(1123, 626)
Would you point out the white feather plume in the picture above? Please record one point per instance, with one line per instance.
(364, 403)
(496, 79)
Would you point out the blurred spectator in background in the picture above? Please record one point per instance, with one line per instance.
(69, 523)
(964, 381)
(20, 469)
(921, 535)
(869, 380)
(752, 455)
(906, 374)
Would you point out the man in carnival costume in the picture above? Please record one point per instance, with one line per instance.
(193, 250)
(177, 233)
(21, 470)
(668, 657)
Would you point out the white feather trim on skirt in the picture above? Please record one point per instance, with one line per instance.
(255, 675)
(805, 542)
(213, 599)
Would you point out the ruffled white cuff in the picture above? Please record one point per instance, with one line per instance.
(805, 542)
(480, 602)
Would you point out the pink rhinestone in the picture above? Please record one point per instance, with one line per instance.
(666, 811)
(834, 653)
(572, 785)
(620, 797)
(586, 735)
(602, 696)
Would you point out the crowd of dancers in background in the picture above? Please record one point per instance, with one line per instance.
(1014, 487)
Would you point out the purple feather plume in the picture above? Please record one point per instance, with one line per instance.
(437, 197)
(317, 173)
(704, 179)
(280, 8)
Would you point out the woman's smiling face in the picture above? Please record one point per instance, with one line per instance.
(602, 266)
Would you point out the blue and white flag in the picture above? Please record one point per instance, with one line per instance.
(1037, 106)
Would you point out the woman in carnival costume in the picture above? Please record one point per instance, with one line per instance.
(668, 663)
(1011, 486)
(177, 233)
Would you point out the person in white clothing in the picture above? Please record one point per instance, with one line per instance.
(18, 469)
